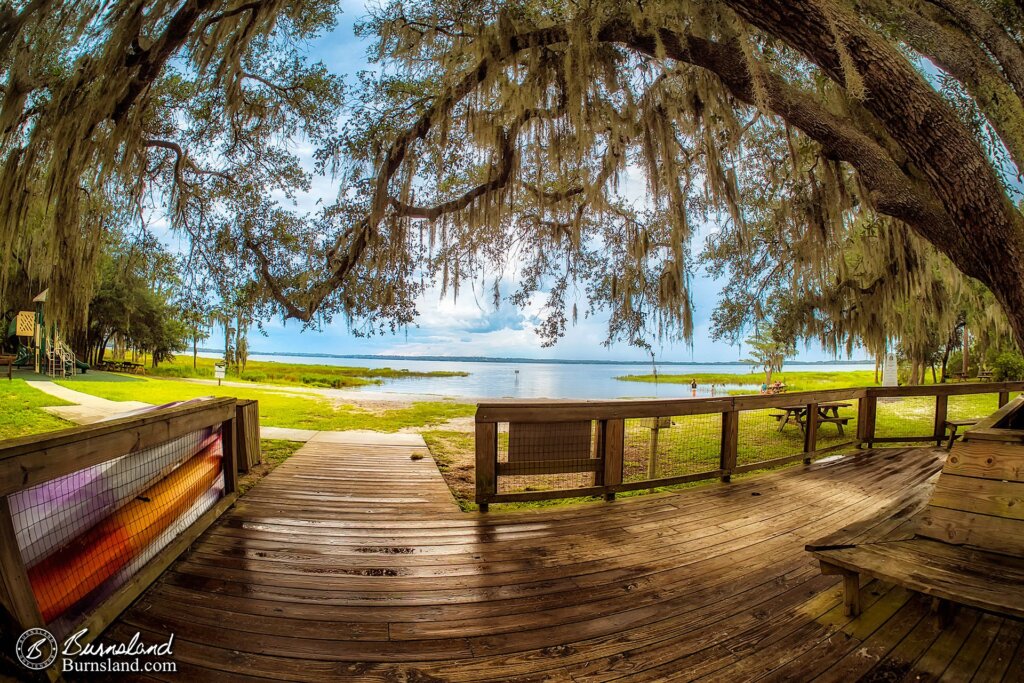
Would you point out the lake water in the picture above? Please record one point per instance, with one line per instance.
(547, 380)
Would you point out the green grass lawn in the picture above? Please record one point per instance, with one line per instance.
(21, 410)
(274, 372)
(795, 380)
(281, 408)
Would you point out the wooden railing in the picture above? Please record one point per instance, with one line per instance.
(536, 450)
(63, 460)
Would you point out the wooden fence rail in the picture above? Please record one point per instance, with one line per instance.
(533, 440)
(59, 460)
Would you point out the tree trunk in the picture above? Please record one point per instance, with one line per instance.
(966, 364)
(915, 368)
(987, 236)
(195, 351)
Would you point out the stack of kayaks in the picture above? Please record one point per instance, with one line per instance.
(78, 567)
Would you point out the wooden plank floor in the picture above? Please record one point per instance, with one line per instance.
(353, 562)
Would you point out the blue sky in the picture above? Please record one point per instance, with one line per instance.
(471, 326)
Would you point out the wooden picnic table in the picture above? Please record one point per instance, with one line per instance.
(798, 414)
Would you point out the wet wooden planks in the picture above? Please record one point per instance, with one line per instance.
(352, 561)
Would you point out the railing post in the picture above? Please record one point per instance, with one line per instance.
(229, 443)
(1004, 398)
(941, 408)
(486, 462)
(614, 432)
(14, 583)
(811, 431)
(866, 420)
(729, 444)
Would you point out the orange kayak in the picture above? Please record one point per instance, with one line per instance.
(71, 573)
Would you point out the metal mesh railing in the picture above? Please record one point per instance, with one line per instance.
(664, 447)
(547, 456)
(85, 534)
(971, 406)
(905, 416)
(561, 449)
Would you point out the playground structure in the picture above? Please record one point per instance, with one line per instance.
(40, 346)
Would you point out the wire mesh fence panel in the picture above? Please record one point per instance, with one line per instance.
(84, 535)
(660, 447)
(837, 423)
(767, 434)
(547, 456)
(905, 416)
(971, 406)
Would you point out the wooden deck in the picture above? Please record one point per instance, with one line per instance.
(353, 562)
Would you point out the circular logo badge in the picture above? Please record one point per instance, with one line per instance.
(36, 649)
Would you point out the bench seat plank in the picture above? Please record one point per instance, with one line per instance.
(983, 583)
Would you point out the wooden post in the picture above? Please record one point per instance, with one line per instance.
(1004, 398)
(247, 413)
(811, 431)
(486, 462)
(729, 443)
(614, 435)
(851, 594)
(229, 442)
(19, 598)
(941, 407)
(866, 420)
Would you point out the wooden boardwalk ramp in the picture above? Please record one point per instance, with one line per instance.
(351, 561)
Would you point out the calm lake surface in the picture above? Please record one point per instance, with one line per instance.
(547, 380)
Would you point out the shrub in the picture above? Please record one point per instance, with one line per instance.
(254, 376)
(1008, 366)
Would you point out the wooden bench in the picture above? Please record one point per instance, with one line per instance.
(951, 427)
(8, 360)
(961, 542)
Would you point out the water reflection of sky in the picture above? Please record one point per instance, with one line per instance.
(548, 380)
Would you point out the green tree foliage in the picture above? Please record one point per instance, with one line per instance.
(1008, 366)
(133, 306)
(768, 351)
(495, 136)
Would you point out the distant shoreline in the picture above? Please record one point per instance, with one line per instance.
(555, 361)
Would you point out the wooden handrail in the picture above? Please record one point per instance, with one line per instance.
(32, 460)
(610, 416)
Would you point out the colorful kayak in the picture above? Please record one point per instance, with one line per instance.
(47, 515)
(71, 573)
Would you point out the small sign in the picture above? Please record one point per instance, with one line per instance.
(26, 324)
(889, 371)
(218, 372)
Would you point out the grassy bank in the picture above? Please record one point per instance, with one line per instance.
(21, 410)
(279, 408)
(795, 380)
(273, 372)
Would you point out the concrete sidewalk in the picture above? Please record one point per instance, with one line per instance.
(90, 409)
